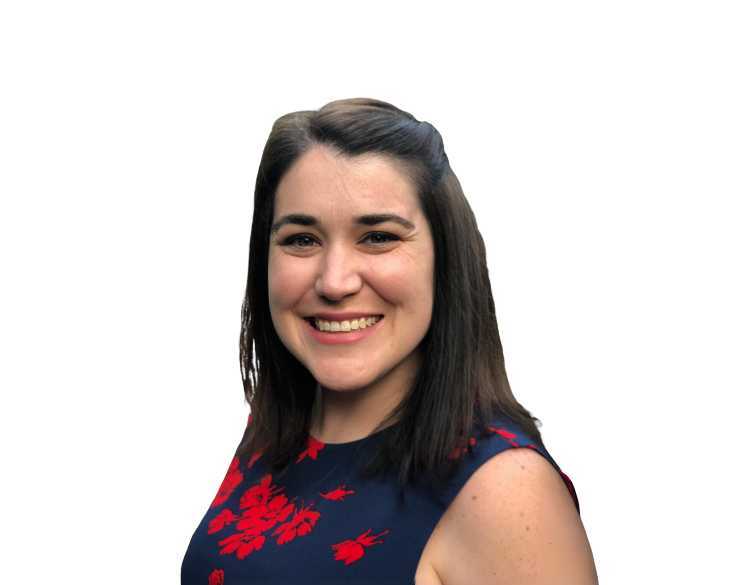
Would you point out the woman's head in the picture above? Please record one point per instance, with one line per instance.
(349, 242)
(352, 158)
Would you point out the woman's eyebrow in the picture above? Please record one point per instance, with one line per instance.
(297, 218)
(369, 219)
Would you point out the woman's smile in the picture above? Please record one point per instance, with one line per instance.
(347, 331)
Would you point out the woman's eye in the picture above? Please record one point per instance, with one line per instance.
(381, 237)
(302, 241)
(297, 241)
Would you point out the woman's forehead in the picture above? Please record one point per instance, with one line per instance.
(321, 180)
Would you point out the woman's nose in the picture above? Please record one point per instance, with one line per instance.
(339, 274)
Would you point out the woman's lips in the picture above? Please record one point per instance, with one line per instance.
(335, 338)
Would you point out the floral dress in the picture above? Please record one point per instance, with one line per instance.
(320, 523)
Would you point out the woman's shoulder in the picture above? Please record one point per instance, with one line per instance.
(512, 517)
(482, 452)
(510, 500)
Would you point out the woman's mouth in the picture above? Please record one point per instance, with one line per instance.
(346, 326)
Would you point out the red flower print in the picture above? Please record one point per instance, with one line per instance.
(259, 494)
(312, 449)
(233, 478)
(349, 551)
(241, 544)
(301, 524)
(463, 451)
(337, 494)
(507, 435)
(217, 577)
(263, 507)
(259, 518)
(259, 513)
(221, 520)
(254, 458)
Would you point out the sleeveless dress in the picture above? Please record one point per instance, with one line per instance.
(320, 524)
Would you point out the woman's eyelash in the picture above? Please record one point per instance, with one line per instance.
(291, 240)
(388, 237)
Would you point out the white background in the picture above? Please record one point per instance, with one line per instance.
(595, 142)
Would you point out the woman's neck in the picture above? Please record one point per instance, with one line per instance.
(341, 416)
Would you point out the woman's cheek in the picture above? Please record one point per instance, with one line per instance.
(402, 278)
(276, 284)
(287, 283)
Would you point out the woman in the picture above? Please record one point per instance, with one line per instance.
(383, 443)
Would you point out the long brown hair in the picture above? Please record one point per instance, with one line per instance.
(462, 381)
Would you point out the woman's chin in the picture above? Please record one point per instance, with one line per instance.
(342, 383)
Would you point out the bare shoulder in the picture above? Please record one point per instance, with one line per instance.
(514, 522)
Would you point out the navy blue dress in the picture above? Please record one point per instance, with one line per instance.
(321, 524)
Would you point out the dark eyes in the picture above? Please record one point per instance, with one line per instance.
(304, 241)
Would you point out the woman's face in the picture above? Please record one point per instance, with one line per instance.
(330, 256)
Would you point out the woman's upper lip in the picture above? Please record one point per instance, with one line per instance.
(348, 316)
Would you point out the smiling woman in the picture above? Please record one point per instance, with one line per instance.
(384, 443)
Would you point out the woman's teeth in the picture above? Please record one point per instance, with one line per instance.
(345, 326)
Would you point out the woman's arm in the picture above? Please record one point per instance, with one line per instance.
(514, 523)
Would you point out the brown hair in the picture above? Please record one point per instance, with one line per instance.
(462, 380)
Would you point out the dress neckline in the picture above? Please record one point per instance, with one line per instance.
(355, 442)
